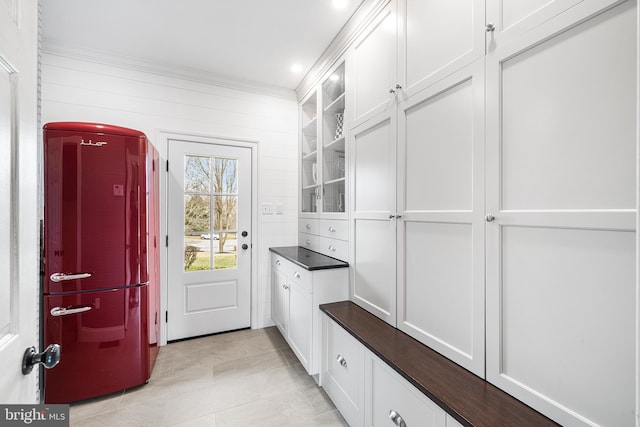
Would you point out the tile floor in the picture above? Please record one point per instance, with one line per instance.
(238, 379)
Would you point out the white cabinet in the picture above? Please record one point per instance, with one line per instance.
(366, 390)
(342, 373)
(417, 161)
(327, 236)
(296, 295)
(562, 187)
(391, 400)
(322, 147)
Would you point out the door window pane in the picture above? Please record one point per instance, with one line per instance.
(210, 213)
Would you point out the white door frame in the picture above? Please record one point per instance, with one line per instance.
(161, 142)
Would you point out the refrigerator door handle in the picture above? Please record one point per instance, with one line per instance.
(64, 311)
(61, 277)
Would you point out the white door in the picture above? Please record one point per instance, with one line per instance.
(440, 240)
(561, 192)
(209, 235)
(18, 198)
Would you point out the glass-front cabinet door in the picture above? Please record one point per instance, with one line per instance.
(333, 137)
(323, 165)
(309, 153)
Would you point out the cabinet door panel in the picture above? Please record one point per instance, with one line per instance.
(568, 310)
(389, 394)
(280, 301)
(566, 142)
(374, 267)
(438, 37)
(440, 277)
(373, 154)
(514, 20)
(300, 323)
(373, 67)
(561, 184)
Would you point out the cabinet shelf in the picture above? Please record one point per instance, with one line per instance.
(310, 129)
(310, 156)
(335, 181)
(336, 105)
(336, 145)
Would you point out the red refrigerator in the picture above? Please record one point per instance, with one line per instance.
(100, 258)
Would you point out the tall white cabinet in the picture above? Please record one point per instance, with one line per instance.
(418, 169)
(562, 187)
(492, 185)
(323, 206)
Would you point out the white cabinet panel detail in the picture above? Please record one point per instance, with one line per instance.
(438, 296)
(566, 142)
(374, 281)
(374, 175)
(568, 310)
(439, 151)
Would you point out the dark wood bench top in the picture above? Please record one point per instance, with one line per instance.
(466, 397)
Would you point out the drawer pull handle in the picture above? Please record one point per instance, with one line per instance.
(332, 229)
(296, 275)
(332, 248)
(397, 419)
(341, 360)
(308, 226)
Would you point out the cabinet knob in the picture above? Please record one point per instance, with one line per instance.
(397, 419)
(490, 28)
(308, 226)
(392, 91)
(308, 242)
(332, 248)
(342, 361)
(332, 229)
(296, 275)
(278, 262)
(490, 218)
(285, 287)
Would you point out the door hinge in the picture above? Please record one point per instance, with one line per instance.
(166, 241)
(166, 316)
(167, 165)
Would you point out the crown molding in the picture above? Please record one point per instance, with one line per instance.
(362, 17)
(52, 47)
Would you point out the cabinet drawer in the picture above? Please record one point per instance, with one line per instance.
(392, 398)
(308, 225)
(342, 372)
(295, 274)
(333, 229)
(334, 248)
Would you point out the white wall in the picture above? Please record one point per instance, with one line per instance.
(81, 90)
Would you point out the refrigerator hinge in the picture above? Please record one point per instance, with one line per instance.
(166, 316)
(167, 165)
(166, 240)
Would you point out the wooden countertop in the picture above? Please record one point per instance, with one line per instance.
(466, 397)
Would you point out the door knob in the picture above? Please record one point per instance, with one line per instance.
(245, 234)
(50, 357)
(245, 246)
(490, 218)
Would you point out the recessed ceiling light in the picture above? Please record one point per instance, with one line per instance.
(296, 68)
(340, 4)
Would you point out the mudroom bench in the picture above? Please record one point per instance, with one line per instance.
(379, 376)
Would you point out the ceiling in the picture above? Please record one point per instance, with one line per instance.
(250, 41)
